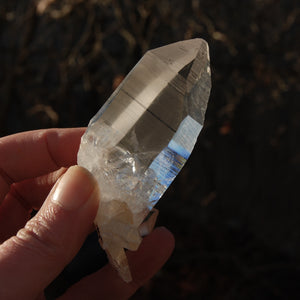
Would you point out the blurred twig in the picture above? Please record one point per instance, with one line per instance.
(26, 24)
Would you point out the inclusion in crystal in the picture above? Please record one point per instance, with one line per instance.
(140, 139)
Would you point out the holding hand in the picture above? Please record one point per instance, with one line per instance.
(34, 251)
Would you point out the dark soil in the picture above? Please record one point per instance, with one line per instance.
(234, 209)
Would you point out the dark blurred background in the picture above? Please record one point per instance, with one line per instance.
(234, 209)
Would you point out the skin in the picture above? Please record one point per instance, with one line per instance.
(36, 173)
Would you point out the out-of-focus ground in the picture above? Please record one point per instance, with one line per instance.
(235, 207)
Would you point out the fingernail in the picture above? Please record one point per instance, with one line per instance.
(75, 188)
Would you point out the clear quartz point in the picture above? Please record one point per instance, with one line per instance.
(140, 139)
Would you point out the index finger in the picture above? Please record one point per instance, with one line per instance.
(35, 153)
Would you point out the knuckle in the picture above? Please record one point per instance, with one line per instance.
(37, 237)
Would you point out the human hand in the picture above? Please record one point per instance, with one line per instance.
(33, 252)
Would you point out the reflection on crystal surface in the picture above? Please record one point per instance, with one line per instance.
(140, 139)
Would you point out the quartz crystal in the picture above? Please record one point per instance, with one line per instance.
(140, 139)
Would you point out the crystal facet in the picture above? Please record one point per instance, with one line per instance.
(142, 136)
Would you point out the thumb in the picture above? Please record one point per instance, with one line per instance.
(30, 260)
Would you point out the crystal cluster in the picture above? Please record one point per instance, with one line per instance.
(142, 136)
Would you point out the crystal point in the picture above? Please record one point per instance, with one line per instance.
(142, 136)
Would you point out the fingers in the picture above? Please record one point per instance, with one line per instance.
(31, 154)
(13, 216)
(33, 192)
(39, 252)
(144, 263)
(22, 197)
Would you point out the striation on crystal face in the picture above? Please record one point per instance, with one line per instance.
(142, 136)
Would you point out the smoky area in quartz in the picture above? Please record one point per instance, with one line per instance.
(141, 138)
